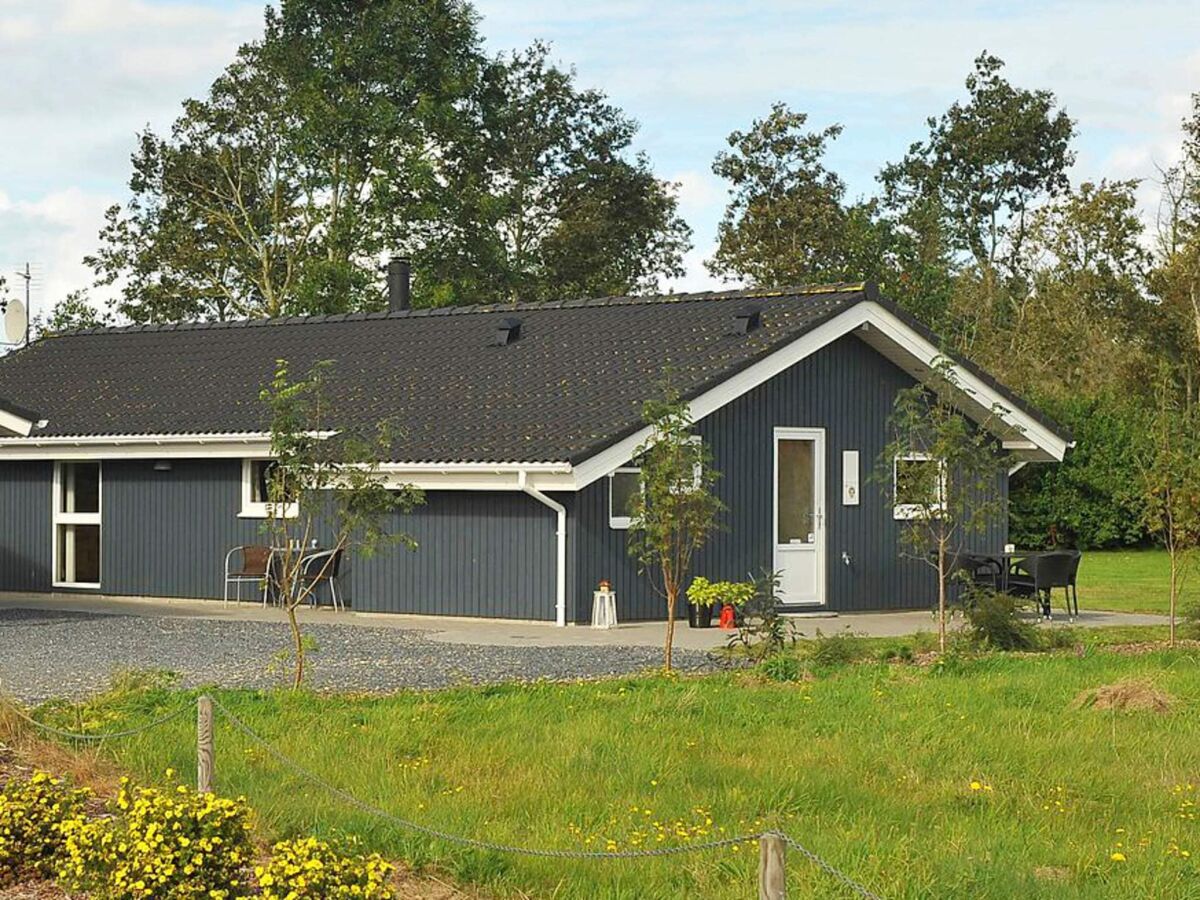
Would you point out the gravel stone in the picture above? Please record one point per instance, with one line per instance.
(44, 655)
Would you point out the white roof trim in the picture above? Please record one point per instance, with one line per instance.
(232, 445)
(17, 424)
(1036, 439)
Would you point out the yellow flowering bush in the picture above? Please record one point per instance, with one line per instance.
(31, 813)
(160, 844)
(308, 869)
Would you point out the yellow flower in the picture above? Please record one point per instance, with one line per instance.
(1118, 856)
(976, 786)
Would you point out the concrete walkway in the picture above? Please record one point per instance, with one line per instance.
(508, 633)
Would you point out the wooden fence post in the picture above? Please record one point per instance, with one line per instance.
(204, 744)
(772, 874)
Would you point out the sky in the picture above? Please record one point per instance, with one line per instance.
(81, 77)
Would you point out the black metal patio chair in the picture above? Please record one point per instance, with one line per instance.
(1037, 575)
(323, 566)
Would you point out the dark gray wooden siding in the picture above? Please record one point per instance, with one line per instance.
(165, 534)
(480, 553)
(848, 389)
(25, 497)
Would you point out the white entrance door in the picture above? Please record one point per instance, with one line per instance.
(800, 514)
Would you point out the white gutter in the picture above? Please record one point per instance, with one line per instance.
(560, 562)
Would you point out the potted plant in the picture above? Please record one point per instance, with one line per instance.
(704, 596)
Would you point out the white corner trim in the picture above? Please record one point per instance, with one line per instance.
(878, 321)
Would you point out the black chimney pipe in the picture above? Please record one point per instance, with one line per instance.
(399, 275)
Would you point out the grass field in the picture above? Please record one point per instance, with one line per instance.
(978, 778)
(1128, 581)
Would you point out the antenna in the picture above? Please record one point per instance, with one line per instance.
(16, 313)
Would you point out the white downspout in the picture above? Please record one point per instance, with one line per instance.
(560, 564)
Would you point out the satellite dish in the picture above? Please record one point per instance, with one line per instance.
(16, 321)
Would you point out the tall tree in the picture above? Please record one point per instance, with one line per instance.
(545, 200)
(785, 222)
(1175, 279)
(358, 127)
(986, 164)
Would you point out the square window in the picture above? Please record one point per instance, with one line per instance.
(918, 486)
(623, 486)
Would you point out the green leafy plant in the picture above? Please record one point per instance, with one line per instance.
(676, 510)
(32, 811)
(995, 621)
(763, 630)
(837, 649)
(703, 592)
(309, 869)
(782, 667)
(942, 473)
(172, 844)
(322, 485)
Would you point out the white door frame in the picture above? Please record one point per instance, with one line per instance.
(817, 436)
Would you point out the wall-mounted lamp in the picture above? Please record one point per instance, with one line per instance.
(846, 558)
(162, 465)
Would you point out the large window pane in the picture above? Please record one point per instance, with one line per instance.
(797, 491)
(80, 488)
(78, 554)
(624, 487)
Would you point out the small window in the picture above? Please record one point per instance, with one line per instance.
(623, 486)
(918, 486)
(256, 490)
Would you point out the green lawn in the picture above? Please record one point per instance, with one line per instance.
(975, 779)
(1126, 580)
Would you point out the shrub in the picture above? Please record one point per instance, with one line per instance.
(996, 622)
(308, 868)
(837, 649)
(178, 844)
(702, 592)
(781, 667)
(31, 813)
(764, 630)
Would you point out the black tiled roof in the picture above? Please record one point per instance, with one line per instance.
(573, 383)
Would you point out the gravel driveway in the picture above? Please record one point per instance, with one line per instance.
(70, 654)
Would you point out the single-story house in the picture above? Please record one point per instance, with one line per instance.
(130, 457)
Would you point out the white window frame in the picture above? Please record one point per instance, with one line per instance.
(58, 517)
(257, 509)
(621, 523)
(910, 511)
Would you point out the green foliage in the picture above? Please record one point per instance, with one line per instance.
(703, 592)
(986, 163)
(784, 223)
(1093, 499)
(159, 843)
(962, 468)
(837, 649)
(996, 621)
(782, 667)
(352, 129)
(675, 511)
(73, 313)
(309, 869)
(325, 484)
(763, 630)
(32, 811)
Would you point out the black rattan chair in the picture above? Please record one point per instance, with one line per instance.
(1037, 575)
(322, 566)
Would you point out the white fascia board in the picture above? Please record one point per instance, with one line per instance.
(868, 313)
(141, 446)
(477, 477)
(10, 421)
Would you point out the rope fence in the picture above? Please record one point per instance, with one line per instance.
(772, 844)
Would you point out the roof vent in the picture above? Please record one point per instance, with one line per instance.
(745, 320)
(508, 331)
